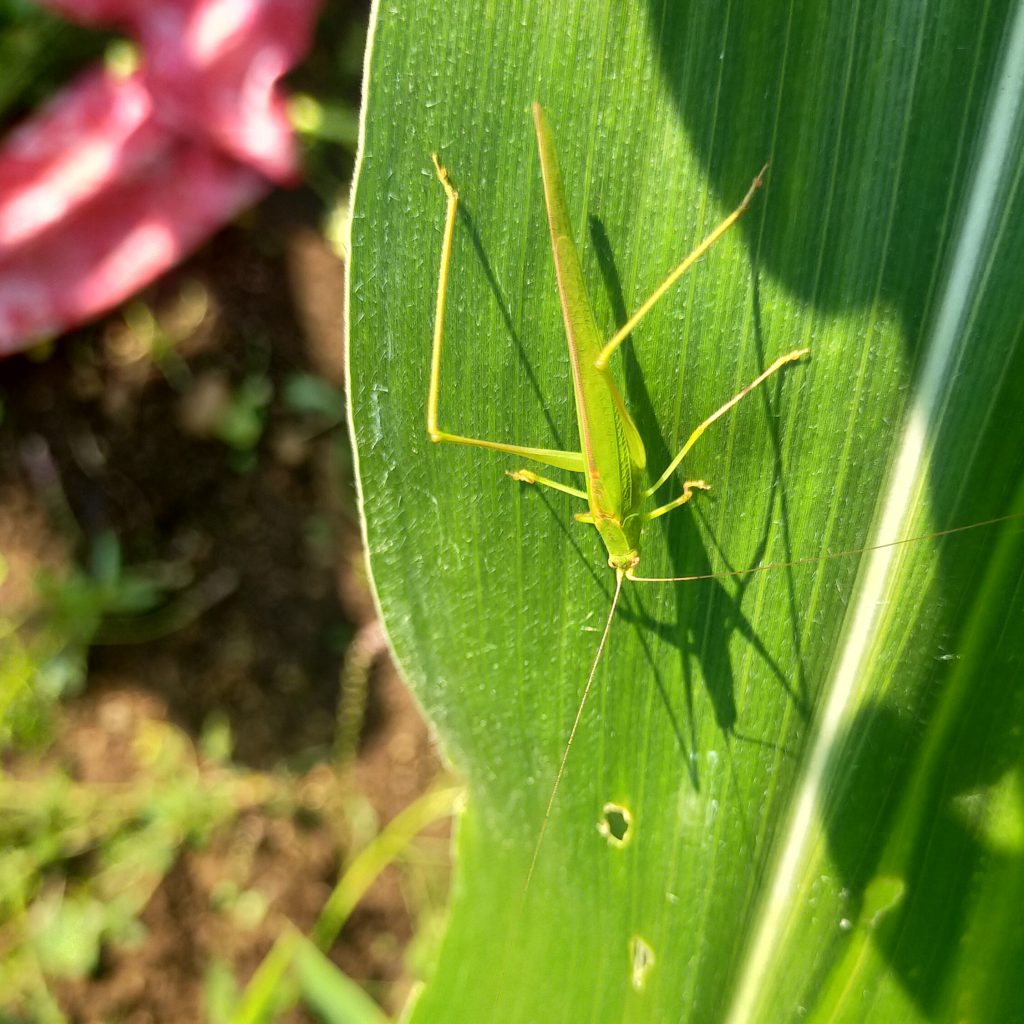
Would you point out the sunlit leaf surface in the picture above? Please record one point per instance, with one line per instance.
(821, 765)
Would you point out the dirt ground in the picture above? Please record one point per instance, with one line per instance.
(126, 429)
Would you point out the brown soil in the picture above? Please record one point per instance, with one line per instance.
(266, 588)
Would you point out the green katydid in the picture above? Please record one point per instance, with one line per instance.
(611, 458)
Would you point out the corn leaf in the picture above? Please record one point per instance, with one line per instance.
(818, 768)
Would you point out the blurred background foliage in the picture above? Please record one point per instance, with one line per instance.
(206, 761)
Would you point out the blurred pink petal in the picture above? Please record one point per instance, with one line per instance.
(118, 178)
(106, 250)
(92, 133)
(214, 66)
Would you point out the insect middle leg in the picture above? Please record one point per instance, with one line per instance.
(779, 363)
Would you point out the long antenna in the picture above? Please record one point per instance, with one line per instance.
(826, 557)
(619, 576)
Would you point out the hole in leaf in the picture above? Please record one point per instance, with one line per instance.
(616, 824)
(642, 957)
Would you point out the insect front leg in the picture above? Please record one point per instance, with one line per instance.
(527, 476)
(688, 488)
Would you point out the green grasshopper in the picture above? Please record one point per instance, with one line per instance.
(611, 457)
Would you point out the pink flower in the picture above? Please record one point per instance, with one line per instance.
(117, 178)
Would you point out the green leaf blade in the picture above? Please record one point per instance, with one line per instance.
(708, 709)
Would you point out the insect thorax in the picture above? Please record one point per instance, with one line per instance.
(622, 539)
